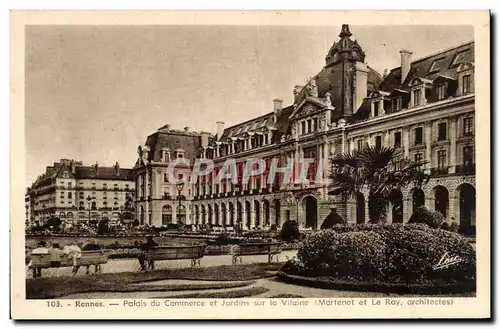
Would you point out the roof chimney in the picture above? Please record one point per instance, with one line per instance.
(96, 166)
(278, 103)
(186, 129)
(117, 168)
(405, 63)
(220, 129)
(385, 73)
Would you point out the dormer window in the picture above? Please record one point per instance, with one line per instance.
(397, 104)
(466, 84)
(436, 65)
(465, 73)
(441, 91)
(375, 108)
(179, 153)
(165, 155)
(417, 97)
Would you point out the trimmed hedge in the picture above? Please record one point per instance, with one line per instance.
(427, 288)
(393, 253)
(423, 215)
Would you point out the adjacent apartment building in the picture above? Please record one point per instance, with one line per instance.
(424, 106)
(75, 192)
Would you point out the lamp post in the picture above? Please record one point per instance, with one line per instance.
(89, 198)
(180, 187)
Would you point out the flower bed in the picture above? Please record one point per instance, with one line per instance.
(412, 254)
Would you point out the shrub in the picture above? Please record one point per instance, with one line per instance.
(423, 215)
(290, 230)
(393, 253)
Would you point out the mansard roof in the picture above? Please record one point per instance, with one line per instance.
(163, 139)
(444, 64)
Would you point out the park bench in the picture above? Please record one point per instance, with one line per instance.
(194, 253)
(271, 249)
(93, 257)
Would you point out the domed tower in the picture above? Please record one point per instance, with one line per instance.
(348, 73)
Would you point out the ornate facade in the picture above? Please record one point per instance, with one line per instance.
(426, 107)
(74, 192)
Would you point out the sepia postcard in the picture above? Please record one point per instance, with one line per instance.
(250, 165)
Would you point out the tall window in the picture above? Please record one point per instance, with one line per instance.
(441, 159)
(417, 97)
(466, 84)
(360, 144)
(396, 104)
(70, 195)
(418, 158)
(467, 126)
(397, 139)
(315, 124)
(442, 131)
(375, 109)
(304, 127)
(441, 91)
(468, 158)
(378, 142)
(309, 125)
(419, 135)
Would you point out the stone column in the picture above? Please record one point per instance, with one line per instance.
(428, 141)
(453, 144)
(386, 141)
(372, 109)
(381, 110)
(252, 215)
(452, 202)
(406, 210)
(406, 141)
(429, 201)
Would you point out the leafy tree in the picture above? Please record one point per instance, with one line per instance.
(103, 226)
(290, 230)
(53, 222)
(380, 170)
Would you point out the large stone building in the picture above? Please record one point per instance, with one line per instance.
(74, 192)
(424, 106)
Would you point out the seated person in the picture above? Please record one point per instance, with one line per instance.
(145, 247)
(92, 246)
(55, 255)
(41, 249)
(74, 252)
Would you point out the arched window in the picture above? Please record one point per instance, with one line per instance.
(166, 215)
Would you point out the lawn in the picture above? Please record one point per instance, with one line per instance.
(55, 287)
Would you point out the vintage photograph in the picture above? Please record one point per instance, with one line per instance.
(235, 162)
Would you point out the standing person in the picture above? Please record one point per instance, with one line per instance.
(41, 249)
(145, 247)
(74, 252)
(55, 255)
(92, 246)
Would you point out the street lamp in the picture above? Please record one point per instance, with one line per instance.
(89, 198)
(180, 187)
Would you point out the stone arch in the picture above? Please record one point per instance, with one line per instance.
(232, 214)
(203, 213)
(166, 215)
(248, 209)
(277, 212)
(266, 211)
(418, 198)
(256, 210)
(466, 196)
(360, 208)
(196, 214)
(216, 215)
(310, 206)
(210, 214)
(396, 206)
(441, 200)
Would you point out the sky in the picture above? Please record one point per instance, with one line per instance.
(94, 93)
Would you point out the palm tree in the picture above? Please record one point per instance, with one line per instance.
(380, 170)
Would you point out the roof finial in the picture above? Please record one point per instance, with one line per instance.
(345, 31)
